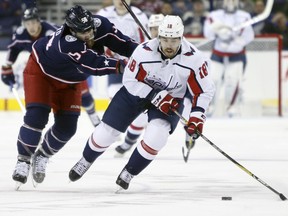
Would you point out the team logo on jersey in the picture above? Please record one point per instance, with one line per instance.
(70, 38)
(84, 20)
(97, 22)
(20, 30)
(190, 53)
(146, 47)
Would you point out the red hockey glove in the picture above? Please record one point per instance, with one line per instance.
(120, 66)
(165, 102)
(195, 123)
(7, 75)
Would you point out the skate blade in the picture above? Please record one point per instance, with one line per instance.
(18, 185)
(119, 190)
(34, 183)
(118, 155)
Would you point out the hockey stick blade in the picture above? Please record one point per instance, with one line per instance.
(185, 156)
(282, 197)
(189, 146)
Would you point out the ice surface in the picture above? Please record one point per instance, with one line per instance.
(169, 186)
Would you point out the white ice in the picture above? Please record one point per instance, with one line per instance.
(169, 186)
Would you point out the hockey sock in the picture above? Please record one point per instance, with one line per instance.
(28, 140)
(89, 154)
(60, 133)
(88, 103)
(137, 163)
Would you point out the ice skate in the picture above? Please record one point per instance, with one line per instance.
(124, 179)
(79, 169)
(94, 118)
(21, 173)
(39, 164)
(122, 149)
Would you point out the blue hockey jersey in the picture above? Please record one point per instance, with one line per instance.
(22, 41)
(68, 59)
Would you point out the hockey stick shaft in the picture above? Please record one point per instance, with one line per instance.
(16, 95)
(258, 18)
(135, 18)
(282, 197)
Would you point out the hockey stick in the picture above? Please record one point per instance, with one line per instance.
(190, 145)
(135, 18)
(184, 121)
(258, 18)
(16, 95)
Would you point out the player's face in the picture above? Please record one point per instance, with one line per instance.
(153, 32)
(230, 5)
(85, 36)
(170, 46)
(33, 27)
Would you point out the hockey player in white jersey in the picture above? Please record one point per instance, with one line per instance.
(136, 128)
(155, 80)
(119, 16)
(228, 55)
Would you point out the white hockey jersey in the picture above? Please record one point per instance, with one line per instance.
(146, 70)
(241, 37)
(126, 24)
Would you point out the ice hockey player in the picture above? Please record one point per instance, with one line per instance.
(136, 128)
(52, 80)
(34, 28)
(155, 80)
(228, 55)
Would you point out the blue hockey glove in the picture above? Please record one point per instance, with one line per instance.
(7, 75)
(121, 64)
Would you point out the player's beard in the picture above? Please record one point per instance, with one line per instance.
(90, 43)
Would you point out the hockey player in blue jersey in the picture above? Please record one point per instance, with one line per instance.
(52, 80)
(155, 80)
(33, 28)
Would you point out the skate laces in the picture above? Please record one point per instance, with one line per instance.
(41, 163)
(126, 176)
(22, 168)
(81, 166)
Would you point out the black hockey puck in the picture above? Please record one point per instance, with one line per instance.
(226, 198)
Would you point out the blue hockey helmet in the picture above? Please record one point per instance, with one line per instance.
(30, 13)
(78, 19)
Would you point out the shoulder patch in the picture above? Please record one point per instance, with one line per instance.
(49, 32)
(70, 38)
(97, 22)
(20, 30)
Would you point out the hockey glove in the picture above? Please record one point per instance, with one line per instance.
(225, 34)
(120, 66)
(195, 124)
(165, 102)
(7, 75)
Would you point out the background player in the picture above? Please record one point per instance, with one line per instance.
(52, 80)
(228, 55)
(33, 28)
(119, 16)
(135, 129)
(156, 79)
